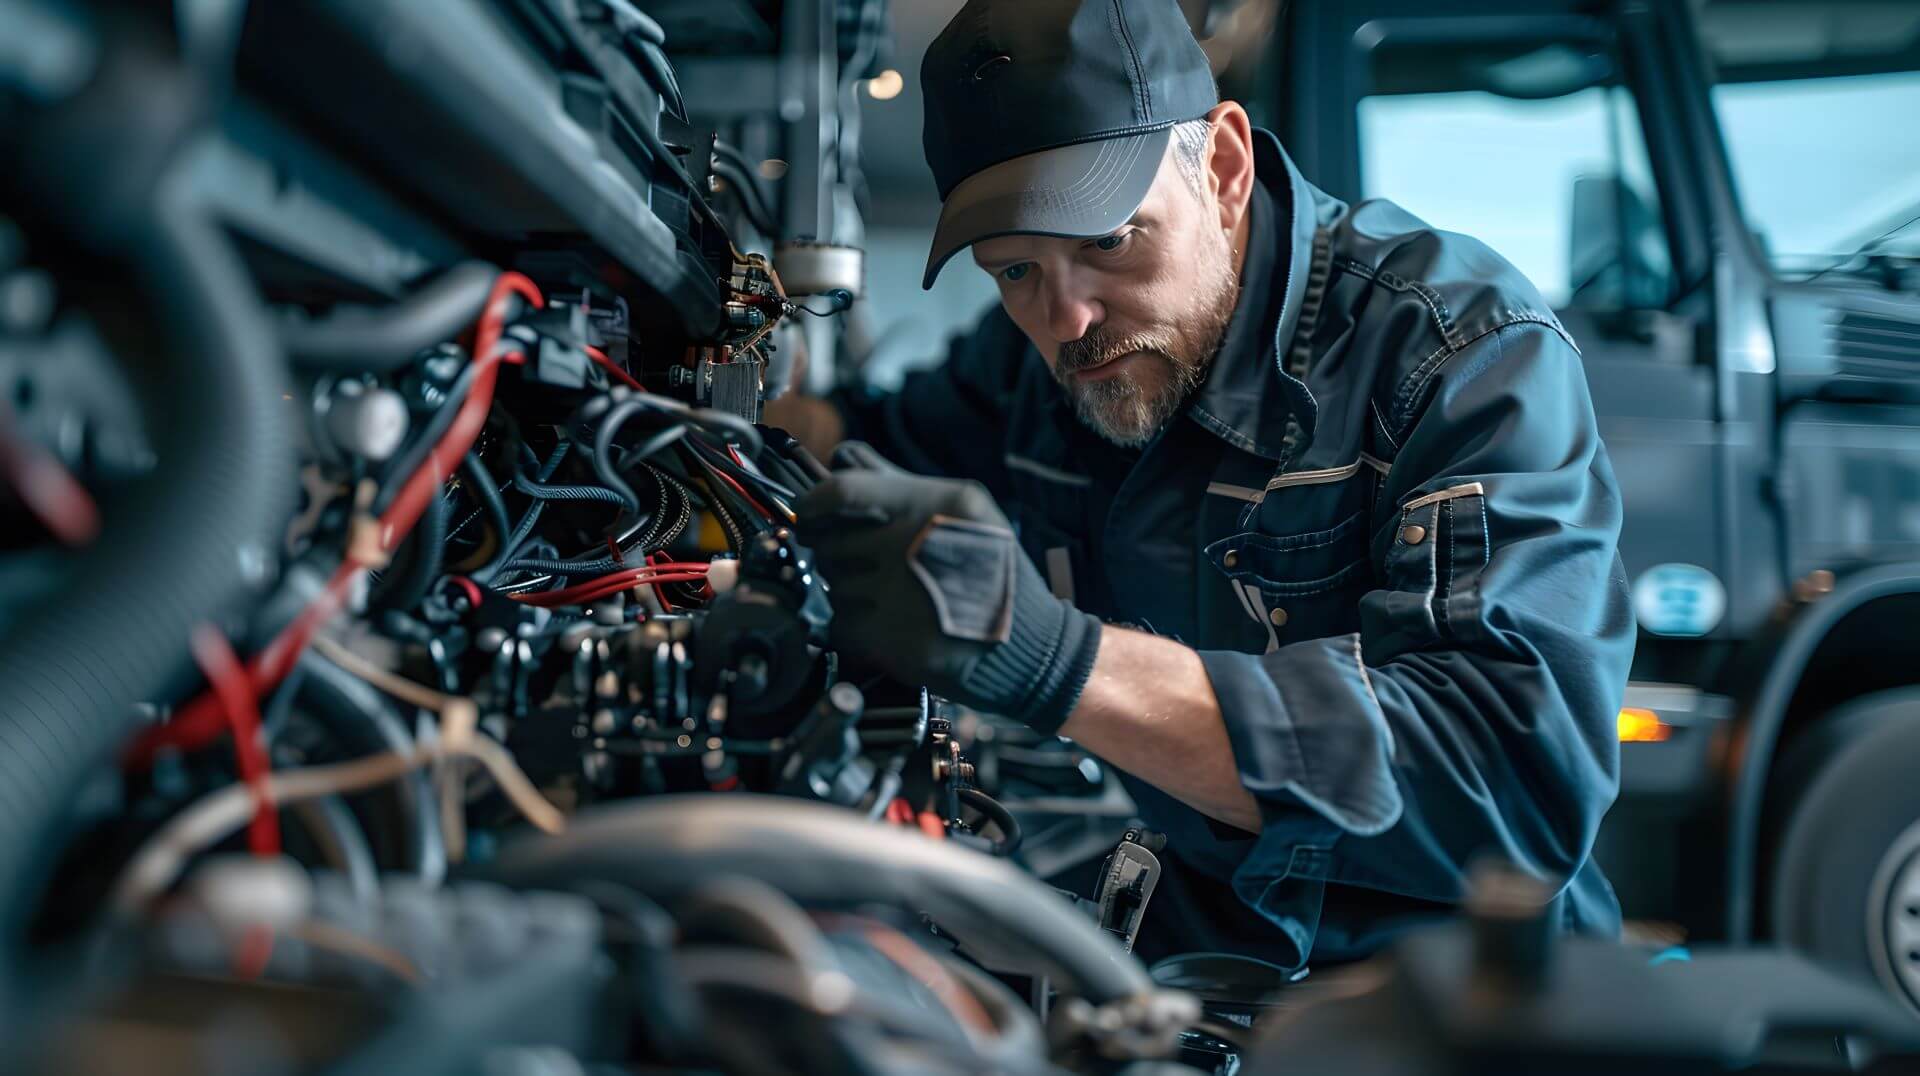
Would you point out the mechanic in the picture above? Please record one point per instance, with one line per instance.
(1319, 530)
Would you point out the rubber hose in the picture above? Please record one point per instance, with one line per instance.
(1010, 835)
(541, 491)
(385, 339)
(569, 567)
(666, 846)
(211, 400)
(366, 723)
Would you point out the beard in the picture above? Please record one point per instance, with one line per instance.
(1130, 406)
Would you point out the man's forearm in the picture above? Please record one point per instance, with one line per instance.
(1149, 709)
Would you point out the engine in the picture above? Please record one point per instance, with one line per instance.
(408, 656)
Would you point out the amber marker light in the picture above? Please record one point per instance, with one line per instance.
(1642, 726)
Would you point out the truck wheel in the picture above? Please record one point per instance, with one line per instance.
(1845, 877)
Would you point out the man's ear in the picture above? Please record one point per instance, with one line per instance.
(1230, 161)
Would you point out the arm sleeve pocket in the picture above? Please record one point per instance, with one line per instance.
(1435, 556)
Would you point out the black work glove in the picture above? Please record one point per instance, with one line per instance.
(929, 584)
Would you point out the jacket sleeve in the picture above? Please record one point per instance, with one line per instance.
(948, 420)
(1474, 711)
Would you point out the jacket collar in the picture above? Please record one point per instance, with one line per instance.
(1249, 397)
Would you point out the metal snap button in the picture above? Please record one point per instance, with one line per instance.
(1413, 534)
(1278, 616)
(1231, 559)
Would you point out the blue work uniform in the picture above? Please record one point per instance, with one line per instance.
(1387, 524)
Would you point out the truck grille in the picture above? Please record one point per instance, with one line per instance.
(1870, 345)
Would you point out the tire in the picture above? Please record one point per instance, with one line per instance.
(1844, 880)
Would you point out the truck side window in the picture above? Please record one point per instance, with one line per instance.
(1557, 183)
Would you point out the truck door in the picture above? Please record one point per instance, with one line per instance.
(1533, 127)
(1562, 135)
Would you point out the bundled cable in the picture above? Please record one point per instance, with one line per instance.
(198, 722)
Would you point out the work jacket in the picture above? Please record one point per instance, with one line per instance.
(1387, 524)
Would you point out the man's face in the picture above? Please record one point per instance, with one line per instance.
(1128, 322)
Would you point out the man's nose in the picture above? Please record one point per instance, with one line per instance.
(1071, 312)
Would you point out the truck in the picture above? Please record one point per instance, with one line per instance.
(1721, 198)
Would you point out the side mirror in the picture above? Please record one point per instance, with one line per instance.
(1615, 255)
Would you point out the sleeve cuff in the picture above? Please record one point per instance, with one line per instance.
(1307, 731)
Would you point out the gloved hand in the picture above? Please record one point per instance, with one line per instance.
(929, 584)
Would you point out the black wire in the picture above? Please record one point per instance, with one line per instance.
(485, 573)
(584, 494)
(603, 460)
(722, 461)
(838, 299)
(734, 161)
(1009, 841)
(789, 475)
(748, 434)
(651, 445)
(752, 203)
(480, 485)
(409, 576)
(716, 503)
(599, 566)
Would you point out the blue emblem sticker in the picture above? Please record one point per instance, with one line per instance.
(1678, 599)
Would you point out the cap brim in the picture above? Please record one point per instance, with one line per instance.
(1078, 191)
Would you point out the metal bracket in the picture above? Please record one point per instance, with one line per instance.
(1127, 883)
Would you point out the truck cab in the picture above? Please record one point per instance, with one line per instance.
(1722, 202)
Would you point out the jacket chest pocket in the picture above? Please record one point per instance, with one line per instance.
(1299, 586)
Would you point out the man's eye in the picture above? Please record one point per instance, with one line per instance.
(1013, 273)
(1112, 242)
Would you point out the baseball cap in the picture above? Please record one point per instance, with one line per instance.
(1051, 117)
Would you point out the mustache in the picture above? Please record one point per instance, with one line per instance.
(1100, 346)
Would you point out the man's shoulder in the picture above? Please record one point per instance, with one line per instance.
(1405, 297)
(1457, 288)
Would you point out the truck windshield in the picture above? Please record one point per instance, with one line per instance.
(1816, 102)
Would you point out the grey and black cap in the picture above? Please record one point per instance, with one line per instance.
(1051, 117)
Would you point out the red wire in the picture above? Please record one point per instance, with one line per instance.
(608, 585)
(470, 588)
(654, 560)
(198, 722)
(229, 684)
(613, 369)
(757, 506)
(44, 485)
